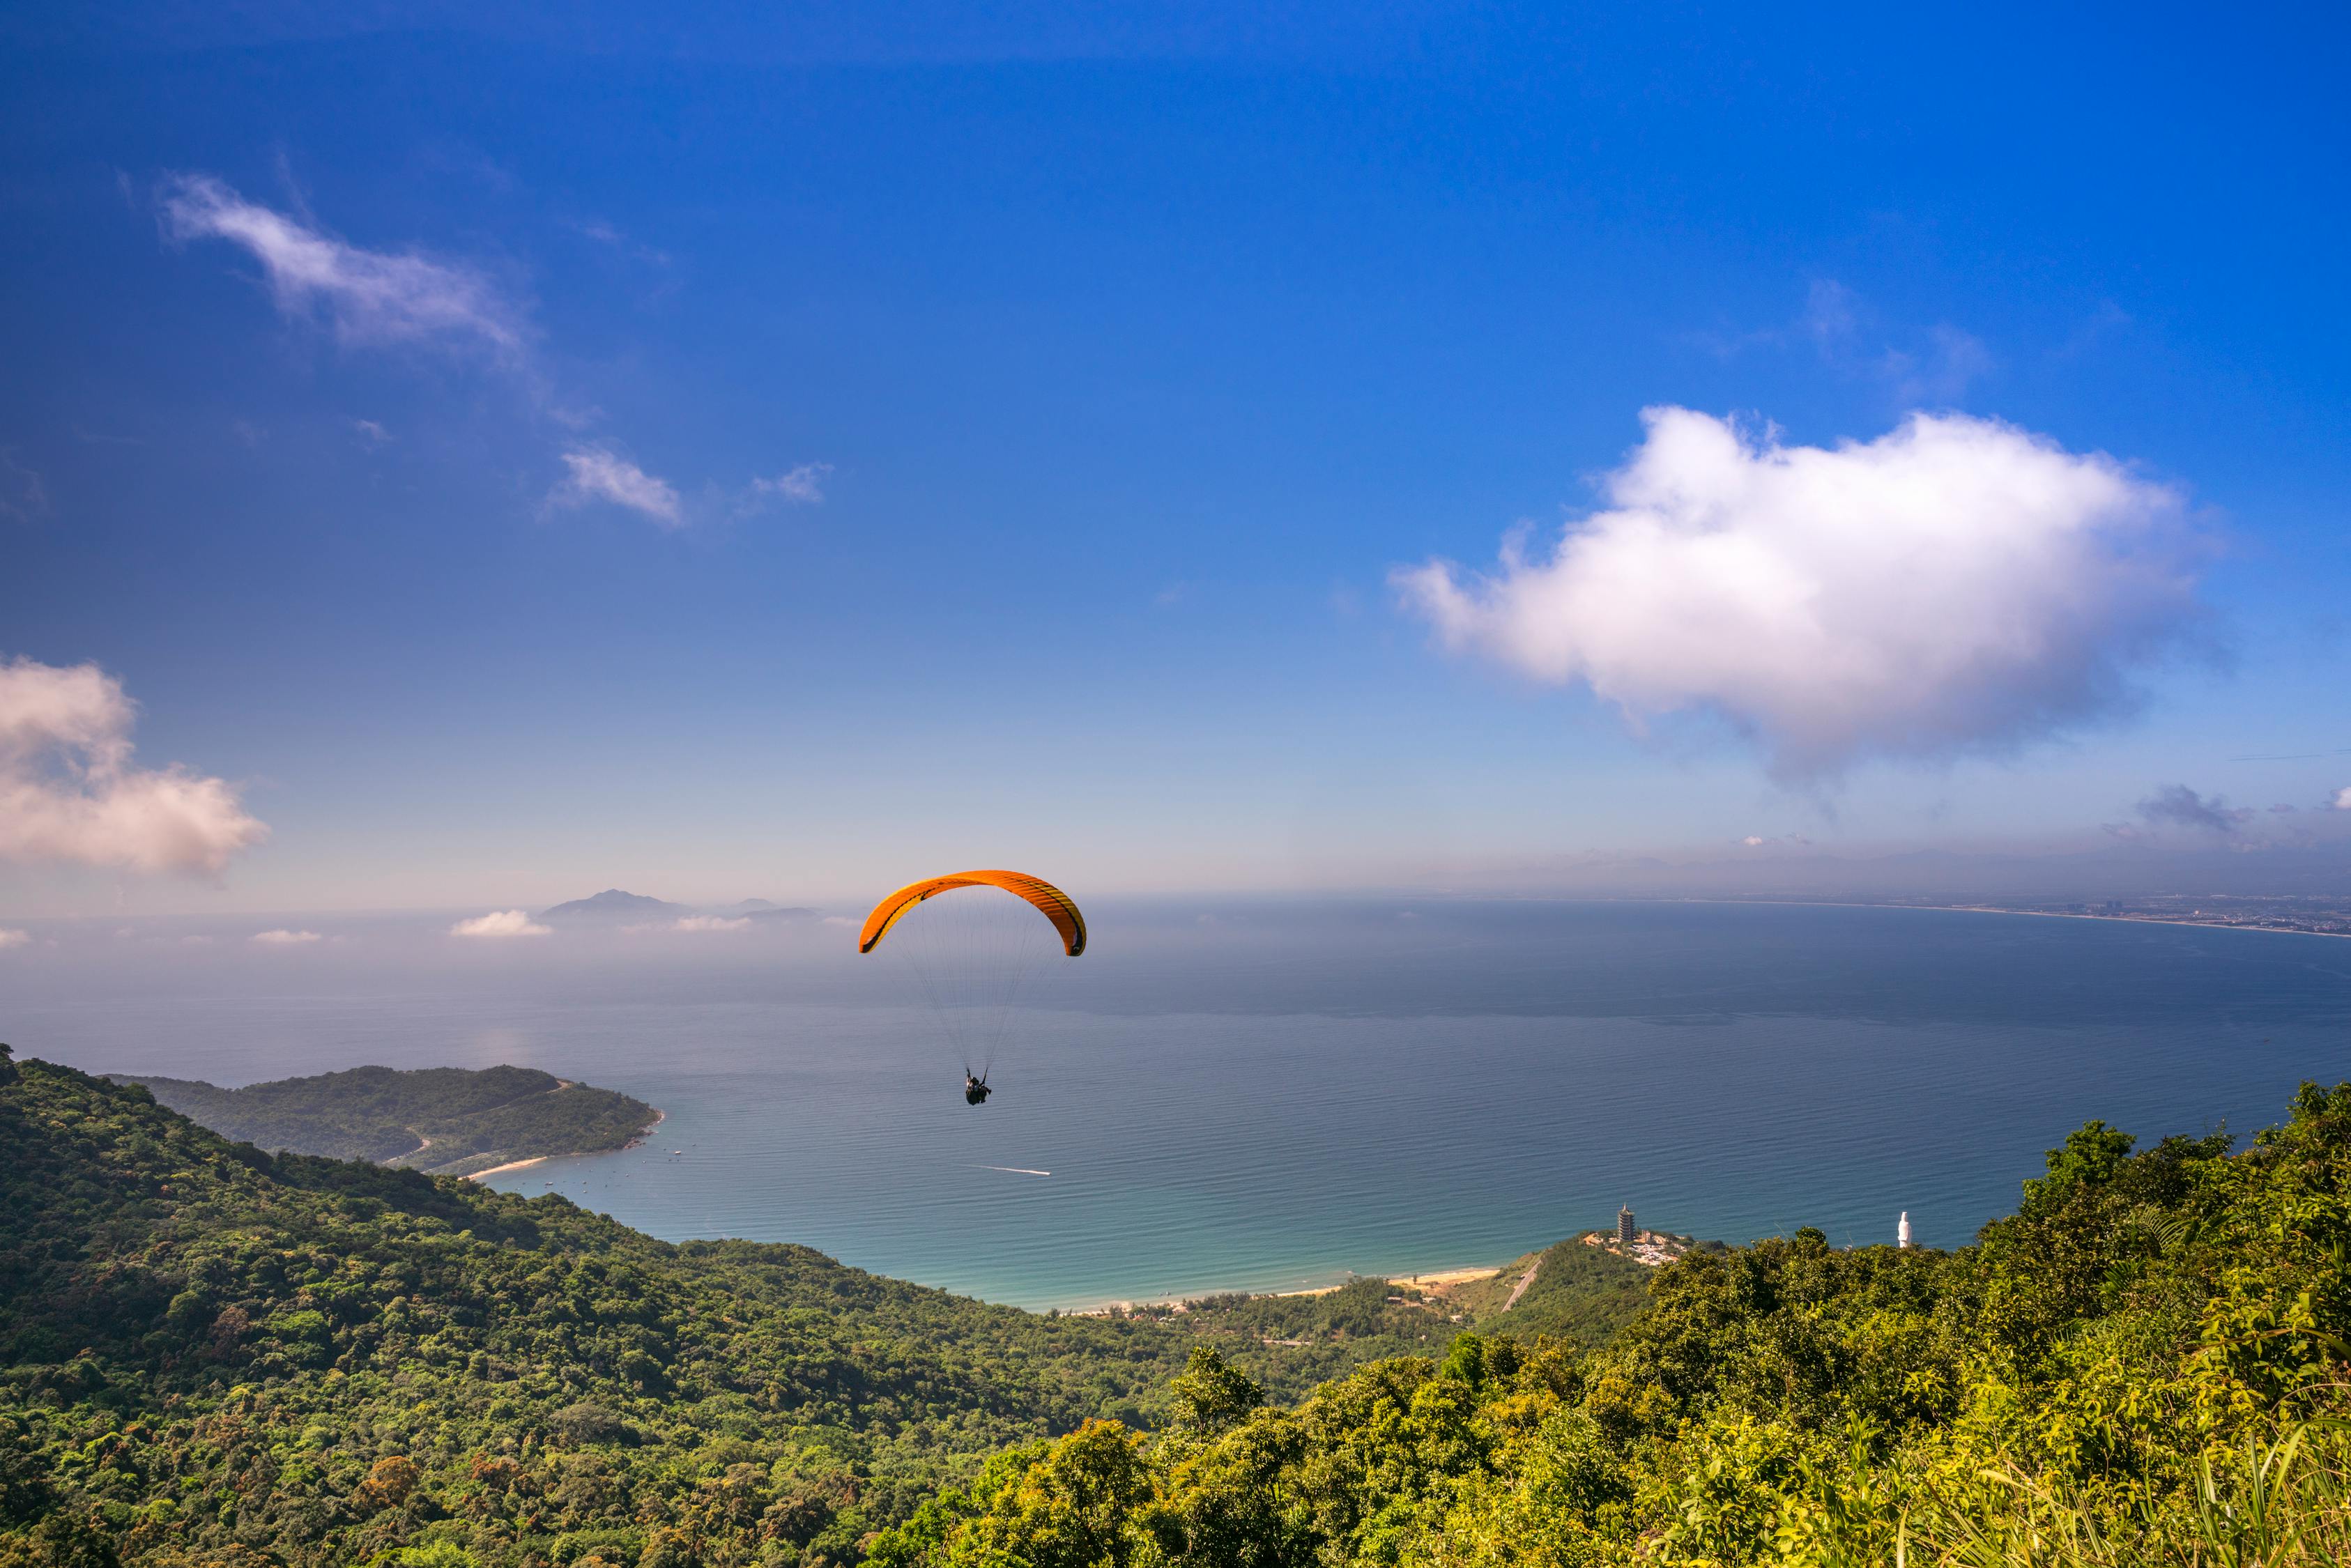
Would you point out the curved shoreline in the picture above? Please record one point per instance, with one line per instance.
(1433, 1278)
(660, 1116)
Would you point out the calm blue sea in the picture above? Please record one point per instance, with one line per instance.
(1266, 1096)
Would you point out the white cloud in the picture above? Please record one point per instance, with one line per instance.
(369, 296)
(283, 939)
(841, 920)
(2343, 798)
(1958, 584)
(600, 473)
(371, 433)
(802, 485)
(69, 791)
(501, 922)
(12, 938)
(692, 923)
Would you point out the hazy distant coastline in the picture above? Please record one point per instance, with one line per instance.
(2322, 919)
(2212, 922)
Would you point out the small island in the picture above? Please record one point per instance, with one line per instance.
(446, 1121)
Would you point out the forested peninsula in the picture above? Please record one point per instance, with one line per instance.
(449, 1120)
(213, 1355)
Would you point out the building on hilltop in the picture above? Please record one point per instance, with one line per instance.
(1625, 1231)
(1902, 1231)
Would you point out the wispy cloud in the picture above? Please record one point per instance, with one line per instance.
(69, 791)
(1938, 372)
(600, 473)
(605, 233)
(501, 922)
(396, 298)
(707, 923)
(2343, 798)
(1955, 585)
(370, 297)
(1934, 365)
(2177, 806)
(14, 938)
(802, 485)
(22, 495)
(595, 473)
(284, 939)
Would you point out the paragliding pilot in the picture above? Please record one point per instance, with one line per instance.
(986, 960)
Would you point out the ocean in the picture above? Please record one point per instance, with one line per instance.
(1270, 1094)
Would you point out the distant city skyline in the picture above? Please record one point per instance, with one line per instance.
(470, 463)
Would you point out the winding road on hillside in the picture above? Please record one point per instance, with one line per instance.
(1524, 1281)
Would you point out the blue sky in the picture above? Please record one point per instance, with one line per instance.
(1104, 369)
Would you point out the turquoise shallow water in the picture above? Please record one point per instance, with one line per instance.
(1265, 1096)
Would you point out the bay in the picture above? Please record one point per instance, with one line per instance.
(1268, 1094)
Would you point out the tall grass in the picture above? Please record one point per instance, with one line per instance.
(2284, 1502)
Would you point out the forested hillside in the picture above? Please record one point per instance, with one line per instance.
(207, 1347)
(446, 1119)
(212, 1354)
(2147, 1365)
(1569, 1291)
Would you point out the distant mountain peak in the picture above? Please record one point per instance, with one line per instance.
(612, 904)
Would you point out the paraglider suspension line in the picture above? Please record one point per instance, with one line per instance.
(975, 943)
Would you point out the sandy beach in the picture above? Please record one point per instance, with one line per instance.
(659, 1117)
(509, 1166)
(1438, 1281)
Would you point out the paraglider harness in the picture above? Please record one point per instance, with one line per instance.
(975, 1090)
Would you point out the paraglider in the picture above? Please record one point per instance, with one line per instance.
(973, 953)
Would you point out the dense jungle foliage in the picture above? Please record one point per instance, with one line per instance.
(447, 1119)
(210, 1354)
(2146, 1364)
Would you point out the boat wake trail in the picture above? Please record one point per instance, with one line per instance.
(1012, 1170)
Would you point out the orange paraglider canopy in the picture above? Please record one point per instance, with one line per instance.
(1051, 901)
